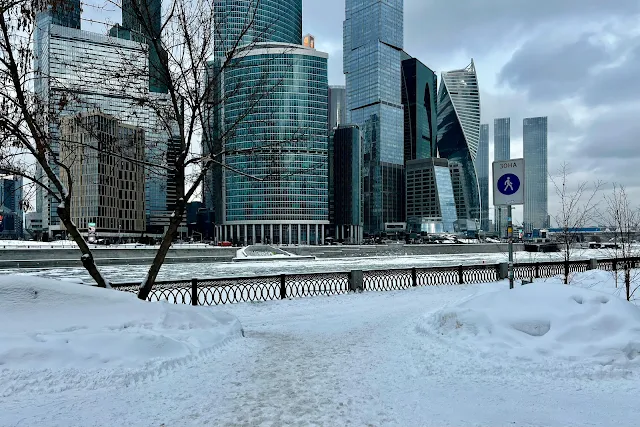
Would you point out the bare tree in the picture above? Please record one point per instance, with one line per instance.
(185, 105)
(623, 219)
(578, 207)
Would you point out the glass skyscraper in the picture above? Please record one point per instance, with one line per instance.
(536, 203)
(337, 106)
(11, 198)
(482, 168)
(501, 151)
(372, 45)
(419, 93)
(459, 135)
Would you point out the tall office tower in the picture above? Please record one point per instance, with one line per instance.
(373, 39)
(274, 128)
(431, 207)
(419, 93)
(345, 184)
(458, 138)
(337, 107)
(86, 65)
(105, 159)
(11, 203)
(501, 151)
(142, 22)
(482, 168)
(63, 13)
(536, 203)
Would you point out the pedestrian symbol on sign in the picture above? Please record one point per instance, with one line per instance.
(508, 184)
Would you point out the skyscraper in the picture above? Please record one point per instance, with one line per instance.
(501, 151)
(373, 39)
(482, 168)
(274, 127)
(337, 106)
(63, 13)
(536, 204)
(419, 94)
(11, 199)
(458, 137)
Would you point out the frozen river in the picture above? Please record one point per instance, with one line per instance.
(127, 273)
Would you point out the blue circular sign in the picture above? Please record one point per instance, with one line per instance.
(508, 184)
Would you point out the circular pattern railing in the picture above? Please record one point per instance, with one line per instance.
(304, 285)
(386, 280)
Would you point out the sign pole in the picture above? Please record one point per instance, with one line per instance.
(510, 236)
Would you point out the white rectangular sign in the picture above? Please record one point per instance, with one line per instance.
(508, 182)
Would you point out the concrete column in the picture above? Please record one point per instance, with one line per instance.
(262, 232)
(299, 234)
(253, 233)
(224, 232)
(322, 234)
(238, 231)
(289, 241)
(317, 238)
(280, 235)
(246, 236)
(271, 234)
(351, 235)
(308, 234)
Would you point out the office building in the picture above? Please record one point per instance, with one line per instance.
(11, 203)
(458, 138)
(105, 159)
(501, 151)
(372, 46)
(337, 107)
(419, 93)
(536, 203)
(345, 184)
(482, 169)
(63, 13)
(431, 206)
(90, 66)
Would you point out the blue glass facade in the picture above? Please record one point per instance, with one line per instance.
(536, 203)
(458, 137)
(278, 21)
(482, 168)
(373, 39)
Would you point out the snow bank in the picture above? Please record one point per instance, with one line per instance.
(543, 320)
(58, 334)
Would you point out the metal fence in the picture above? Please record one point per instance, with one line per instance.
(266, 288)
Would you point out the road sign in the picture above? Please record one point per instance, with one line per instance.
(508, 182)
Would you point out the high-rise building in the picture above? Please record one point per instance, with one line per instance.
(63, 13)
(337, 107)
(536, 203)
(105, 160)
(373, 40)
(142, 22)
(431, 207)
(501, 151)
(482, 169)
(458, 137)
(345, 184)
(11, 203)
(419, 93)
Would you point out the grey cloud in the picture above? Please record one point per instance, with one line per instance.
(616, 85)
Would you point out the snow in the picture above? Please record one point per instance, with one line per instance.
(358, 359)
(57, 335)
(543, 321)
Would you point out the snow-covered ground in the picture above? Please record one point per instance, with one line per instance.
(116, 273)
(376, 358)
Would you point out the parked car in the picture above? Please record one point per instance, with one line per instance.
(225, 243)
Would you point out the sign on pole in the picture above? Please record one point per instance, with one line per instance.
(508, 182)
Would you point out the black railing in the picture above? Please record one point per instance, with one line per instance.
(266, 288)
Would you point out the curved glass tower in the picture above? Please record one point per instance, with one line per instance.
(280, 142)
(458, 136)
(277, 21)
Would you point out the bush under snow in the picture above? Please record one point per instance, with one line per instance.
(80, 335)
(542, 320)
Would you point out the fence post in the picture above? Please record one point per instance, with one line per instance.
(460, 275)
(593, 264)
(194, 291)
(414, 277)
(356, 281)
(503, 271)
(283, 287)
(537, 270)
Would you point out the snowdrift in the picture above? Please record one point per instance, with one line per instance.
(85, 336)
(543, 320)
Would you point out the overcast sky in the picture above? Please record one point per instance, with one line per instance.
(575, 61)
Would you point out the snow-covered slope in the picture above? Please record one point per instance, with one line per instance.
(58, 334)
(544, 320)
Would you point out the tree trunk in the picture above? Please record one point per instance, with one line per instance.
(87, 256)
(165, 245)
(627, 280)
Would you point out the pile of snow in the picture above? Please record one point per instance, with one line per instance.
(543, 320)
(57, 334)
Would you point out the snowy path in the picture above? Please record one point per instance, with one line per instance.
(349, 360)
